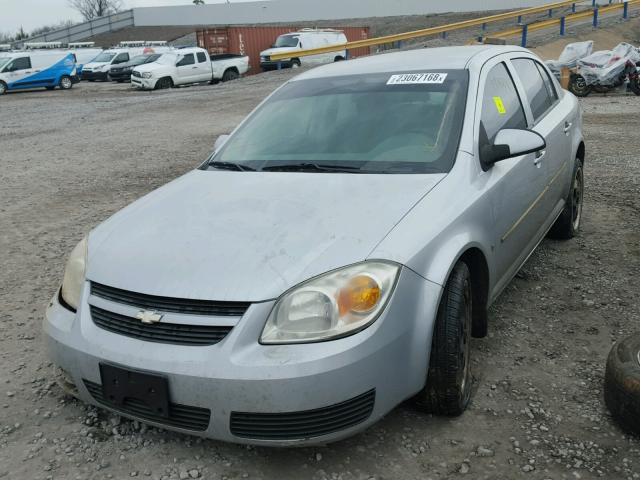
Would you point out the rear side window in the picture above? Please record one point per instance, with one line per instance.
(21, 63)
(551, 88)
(501, 106)
(188, 59)
(537, 91)
(201, 57)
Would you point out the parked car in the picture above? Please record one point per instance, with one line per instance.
(303, 40)
(99, 68)
(122, 72)
(36, 69)
(333, 256)
(188, 66)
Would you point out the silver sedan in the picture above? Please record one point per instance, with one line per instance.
(334, 255)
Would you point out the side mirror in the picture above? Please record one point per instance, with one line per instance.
(510, 143)
(220, 141)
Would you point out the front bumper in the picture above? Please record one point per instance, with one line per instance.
(143, 83)
(238, 379)
(102, 76)
(120, 76)
(273, 65)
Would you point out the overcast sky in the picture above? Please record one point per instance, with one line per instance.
(36, 13)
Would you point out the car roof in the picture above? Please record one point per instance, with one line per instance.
(445, 58)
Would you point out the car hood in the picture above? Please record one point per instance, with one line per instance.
(93, 65)
(272, 51)
(248, 236)
(149, 67)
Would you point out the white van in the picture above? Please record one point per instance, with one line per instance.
(98, 68)
(303, 40)
(36, 69)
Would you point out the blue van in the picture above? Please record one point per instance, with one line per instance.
(41, 69)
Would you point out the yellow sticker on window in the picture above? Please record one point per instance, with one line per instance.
(499, 105)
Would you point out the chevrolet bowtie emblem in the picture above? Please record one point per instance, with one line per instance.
(147, 317)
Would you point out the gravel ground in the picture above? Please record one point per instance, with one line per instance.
(537, 409)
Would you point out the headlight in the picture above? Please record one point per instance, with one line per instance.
(332, 305)
(74, 274)
(147, 75)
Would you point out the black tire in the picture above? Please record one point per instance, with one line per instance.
(339, 58)
(65, 83)
(578, 86)
(3, 88)
(449, 380)
(634, 84)
(120, 80)
(295, 63)
(568, 223)
(230, 74)
(164, 82)
(92, 79)
(622, 383)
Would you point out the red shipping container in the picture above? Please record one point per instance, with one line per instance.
(253, 40)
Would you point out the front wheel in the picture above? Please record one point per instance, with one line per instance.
(568, 223)
(448, 387)
(578, 86)
(634, 84)
(295, 63)
(65, 83)
(163, 83)
(3, 88)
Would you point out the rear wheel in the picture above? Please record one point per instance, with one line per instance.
(163, 83)
(568, 223)
(578, 86)
(634, 84)
(448, 388)
(65, 82)
(229, 75)
(3, 88)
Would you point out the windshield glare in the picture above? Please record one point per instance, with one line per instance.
(357, 122)
(104, 57)
(286, 41)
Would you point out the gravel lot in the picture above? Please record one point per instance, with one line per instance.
(70, 159)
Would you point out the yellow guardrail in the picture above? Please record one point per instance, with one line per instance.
(562, 22)
(428, 31)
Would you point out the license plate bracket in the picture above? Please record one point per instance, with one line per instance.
(119, 384)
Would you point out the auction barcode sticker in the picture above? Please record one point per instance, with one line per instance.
(417, 78)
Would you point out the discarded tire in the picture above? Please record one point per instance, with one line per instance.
(622, 383)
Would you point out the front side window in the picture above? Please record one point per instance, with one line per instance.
(188, 59)
(22, 63)
(202, 57)
(359, 123)
(536, 90)
(287, 41)
(121, 58)
(501, 106)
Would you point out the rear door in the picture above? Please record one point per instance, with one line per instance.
(187, 69)
(551, 118)
(514, 184)
(204, 67)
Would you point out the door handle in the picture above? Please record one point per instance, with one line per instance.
(540, 154)
(567, 126)
(193, 67)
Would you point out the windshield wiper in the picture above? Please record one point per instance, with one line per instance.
(231, 166)
(310, 167)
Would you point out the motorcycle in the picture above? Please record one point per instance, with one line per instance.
(605, 71)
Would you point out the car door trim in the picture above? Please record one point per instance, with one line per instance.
(533, 205)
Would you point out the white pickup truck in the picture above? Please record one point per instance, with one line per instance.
(187, 66)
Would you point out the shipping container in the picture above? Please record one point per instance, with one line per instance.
(253, 40)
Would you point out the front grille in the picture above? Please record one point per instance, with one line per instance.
(180, 416)
(136, 74)
(161, 332)
(306, 424)
(168, 304)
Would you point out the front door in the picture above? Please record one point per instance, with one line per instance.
(514, 184)
(187, 69)
(19, 72)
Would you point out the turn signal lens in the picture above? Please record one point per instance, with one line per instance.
(361, 295)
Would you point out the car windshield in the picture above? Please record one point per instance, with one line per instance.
(381, 123)
(286, 41)
(104, 57)
(139, 59)
(4, 61)
(167, 59)
(151, 58)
